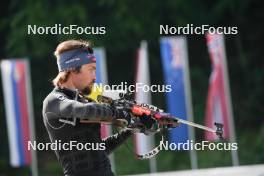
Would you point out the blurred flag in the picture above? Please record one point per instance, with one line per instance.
(176, 72)
(101, 77)
(143, 143)
(174, 58)
(219, 106)
(20, 122)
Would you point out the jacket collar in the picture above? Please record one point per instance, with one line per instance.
(69, 92)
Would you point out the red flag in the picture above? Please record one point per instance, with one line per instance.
(15, 77)
(217, 108)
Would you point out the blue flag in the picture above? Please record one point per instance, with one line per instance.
(174, 60)
(15, 77)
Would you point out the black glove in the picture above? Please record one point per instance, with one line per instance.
(147, 121)
(122, 114)
(145, 124)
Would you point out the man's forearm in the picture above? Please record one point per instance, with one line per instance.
(67, 108)
(114, 141)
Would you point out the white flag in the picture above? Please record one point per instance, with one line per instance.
(143, 143)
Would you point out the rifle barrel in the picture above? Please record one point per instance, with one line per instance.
(196, 125)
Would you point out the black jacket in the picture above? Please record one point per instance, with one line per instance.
(62, 111)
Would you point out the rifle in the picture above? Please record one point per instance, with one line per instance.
(150, 118)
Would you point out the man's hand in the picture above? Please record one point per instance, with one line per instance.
(145, 124)
(122, 114)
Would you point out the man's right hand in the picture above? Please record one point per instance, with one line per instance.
(146, 125)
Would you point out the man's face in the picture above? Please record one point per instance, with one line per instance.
(84, 80)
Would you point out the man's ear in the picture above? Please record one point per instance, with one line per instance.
(73, 73)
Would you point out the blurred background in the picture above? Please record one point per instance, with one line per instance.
(127, 24)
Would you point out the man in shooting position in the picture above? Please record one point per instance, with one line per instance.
(66, 109)
(66, 106)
